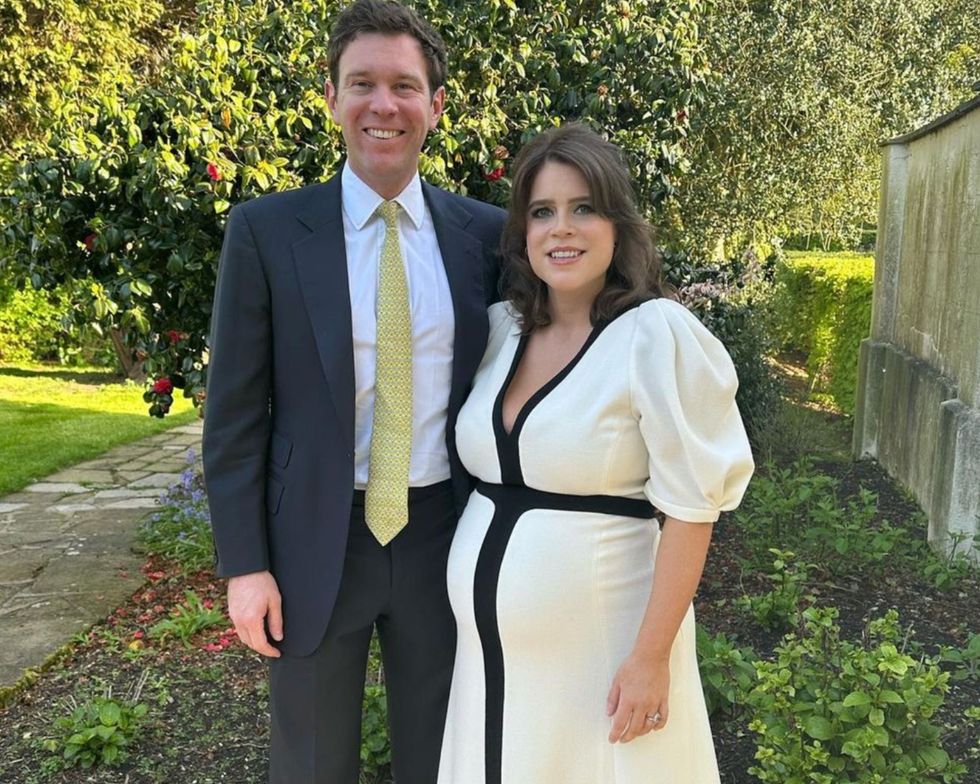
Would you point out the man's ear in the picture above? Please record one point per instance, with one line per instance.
(438, 104)
(330, 93)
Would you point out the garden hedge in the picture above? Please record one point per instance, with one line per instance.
(822, 307)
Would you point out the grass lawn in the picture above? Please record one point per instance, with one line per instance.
(52, 417)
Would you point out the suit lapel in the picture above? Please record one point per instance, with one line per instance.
(321, 268)
(462, 256)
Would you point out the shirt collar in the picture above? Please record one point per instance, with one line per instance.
(361, 202)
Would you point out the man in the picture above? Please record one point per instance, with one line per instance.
(349, 319)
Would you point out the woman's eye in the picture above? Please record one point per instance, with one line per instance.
(584, 209)
(541, 212)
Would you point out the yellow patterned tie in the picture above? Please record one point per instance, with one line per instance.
(386, 499)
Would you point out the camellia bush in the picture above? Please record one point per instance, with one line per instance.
(126, 207)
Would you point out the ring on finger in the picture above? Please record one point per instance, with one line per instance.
(653, 718)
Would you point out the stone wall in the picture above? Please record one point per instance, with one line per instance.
(918, 397)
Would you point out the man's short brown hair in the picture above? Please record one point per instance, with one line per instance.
(388, 18)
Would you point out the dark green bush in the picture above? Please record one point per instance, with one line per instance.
(822, 306)
(729, 299)
(727, 672)
(827, 710)
(800, 509)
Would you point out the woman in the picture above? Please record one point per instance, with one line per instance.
(598, 400)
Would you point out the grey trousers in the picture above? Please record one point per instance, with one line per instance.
(400, 589)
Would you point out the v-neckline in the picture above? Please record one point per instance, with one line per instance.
(525, 410)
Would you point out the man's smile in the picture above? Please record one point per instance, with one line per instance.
(383, 133)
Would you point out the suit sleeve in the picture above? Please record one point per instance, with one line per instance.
(237, 418)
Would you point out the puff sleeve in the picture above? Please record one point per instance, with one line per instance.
(682, 387)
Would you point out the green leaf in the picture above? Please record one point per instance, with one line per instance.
(109, 713)
(818, 727)
(934, 757)
(856, 698)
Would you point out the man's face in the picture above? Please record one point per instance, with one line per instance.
(384, 108)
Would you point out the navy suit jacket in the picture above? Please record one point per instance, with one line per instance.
(279, 421)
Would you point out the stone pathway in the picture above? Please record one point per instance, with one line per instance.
(66, 558)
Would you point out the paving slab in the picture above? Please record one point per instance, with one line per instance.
(127, 492)
(83, 476)
(59, 488)
(134, 503)
(132, 476)
(161, 480)
(66, 544)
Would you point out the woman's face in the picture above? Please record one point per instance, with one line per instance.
(569, 245)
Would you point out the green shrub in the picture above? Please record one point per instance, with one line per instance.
(822, 307)
(799, 508)
(375, 746)
(779, 609)
(96, 732)
(965, 660)
(30, 324)
(727, 672)
(828, 710)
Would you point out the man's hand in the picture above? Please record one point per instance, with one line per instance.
(251, 599)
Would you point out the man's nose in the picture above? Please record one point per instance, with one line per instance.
(383, 101)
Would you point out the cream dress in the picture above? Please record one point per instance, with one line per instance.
(551, 567)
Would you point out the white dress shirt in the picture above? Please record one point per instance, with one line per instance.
(433, 323)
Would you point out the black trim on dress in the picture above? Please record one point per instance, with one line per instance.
(511, 499)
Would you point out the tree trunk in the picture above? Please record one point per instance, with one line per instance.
(131, 368)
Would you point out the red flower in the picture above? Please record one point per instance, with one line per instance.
(174, 336)
(214, 172)
(163, 386)
(89, 242)
(494, 175)
(681, 115)
(208, 604)
(138, 634)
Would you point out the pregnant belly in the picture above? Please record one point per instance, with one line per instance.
(547, 579)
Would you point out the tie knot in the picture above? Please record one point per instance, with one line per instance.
(388, 210)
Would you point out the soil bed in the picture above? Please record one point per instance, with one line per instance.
(208, 708)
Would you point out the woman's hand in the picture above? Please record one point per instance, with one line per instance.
(637, 700)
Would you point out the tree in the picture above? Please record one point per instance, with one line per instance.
(127, 206)
(56, 54)
(801, 94)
